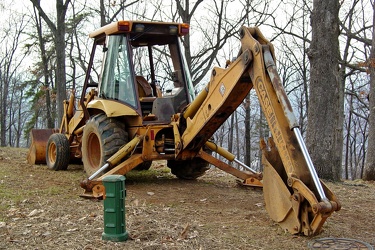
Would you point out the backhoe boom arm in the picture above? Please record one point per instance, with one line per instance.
(294, 195)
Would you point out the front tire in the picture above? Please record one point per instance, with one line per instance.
(58, 152)
(102, 137)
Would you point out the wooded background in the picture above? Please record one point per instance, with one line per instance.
(324, 52)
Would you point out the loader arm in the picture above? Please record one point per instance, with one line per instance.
(294, 195)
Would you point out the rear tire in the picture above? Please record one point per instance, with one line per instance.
(190, 169)
(102, 137)
(58, 152)
(143, 166)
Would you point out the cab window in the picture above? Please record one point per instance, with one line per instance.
(117, 79)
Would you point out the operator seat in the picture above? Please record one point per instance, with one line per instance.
(144, 87)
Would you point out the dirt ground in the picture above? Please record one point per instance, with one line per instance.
(41, 209)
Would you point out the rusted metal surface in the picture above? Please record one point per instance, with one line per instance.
(278, 87)
(252, 182)
(291, 189)
(290, 117)
(289, 201)
(278, 199)
(250, 179)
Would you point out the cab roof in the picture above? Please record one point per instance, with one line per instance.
(147, 30)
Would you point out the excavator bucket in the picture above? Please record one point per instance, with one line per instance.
(289, 201)
(277, 196)
(37, 150)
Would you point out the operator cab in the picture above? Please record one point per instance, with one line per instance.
(144, 68)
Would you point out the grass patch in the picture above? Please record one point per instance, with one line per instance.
(149, 175)
(8, 197)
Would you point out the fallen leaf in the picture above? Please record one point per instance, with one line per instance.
(184, 233)
(35, 212)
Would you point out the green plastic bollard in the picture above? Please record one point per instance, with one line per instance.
(114, 208)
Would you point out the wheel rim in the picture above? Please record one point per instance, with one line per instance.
(52, 153)
(93, 150)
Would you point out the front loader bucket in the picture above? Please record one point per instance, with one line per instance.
(37, 150)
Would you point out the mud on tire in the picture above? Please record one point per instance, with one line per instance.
(189, 169)
(58, 152)
(102, 137)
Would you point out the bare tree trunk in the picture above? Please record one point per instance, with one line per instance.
(324, 133)
(9, 64)
(49, 116)
(102, 13)
(10, 115)
(230, 134)
(346, 165)
(237, 136)
(186, 14)
(4, 110)
(369, 171)
(58, 31)
(247, 131)
(353, 159)
(60, 56)
(2, 103)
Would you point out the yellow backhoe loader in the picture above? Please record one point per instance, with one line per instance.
(144, 108)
